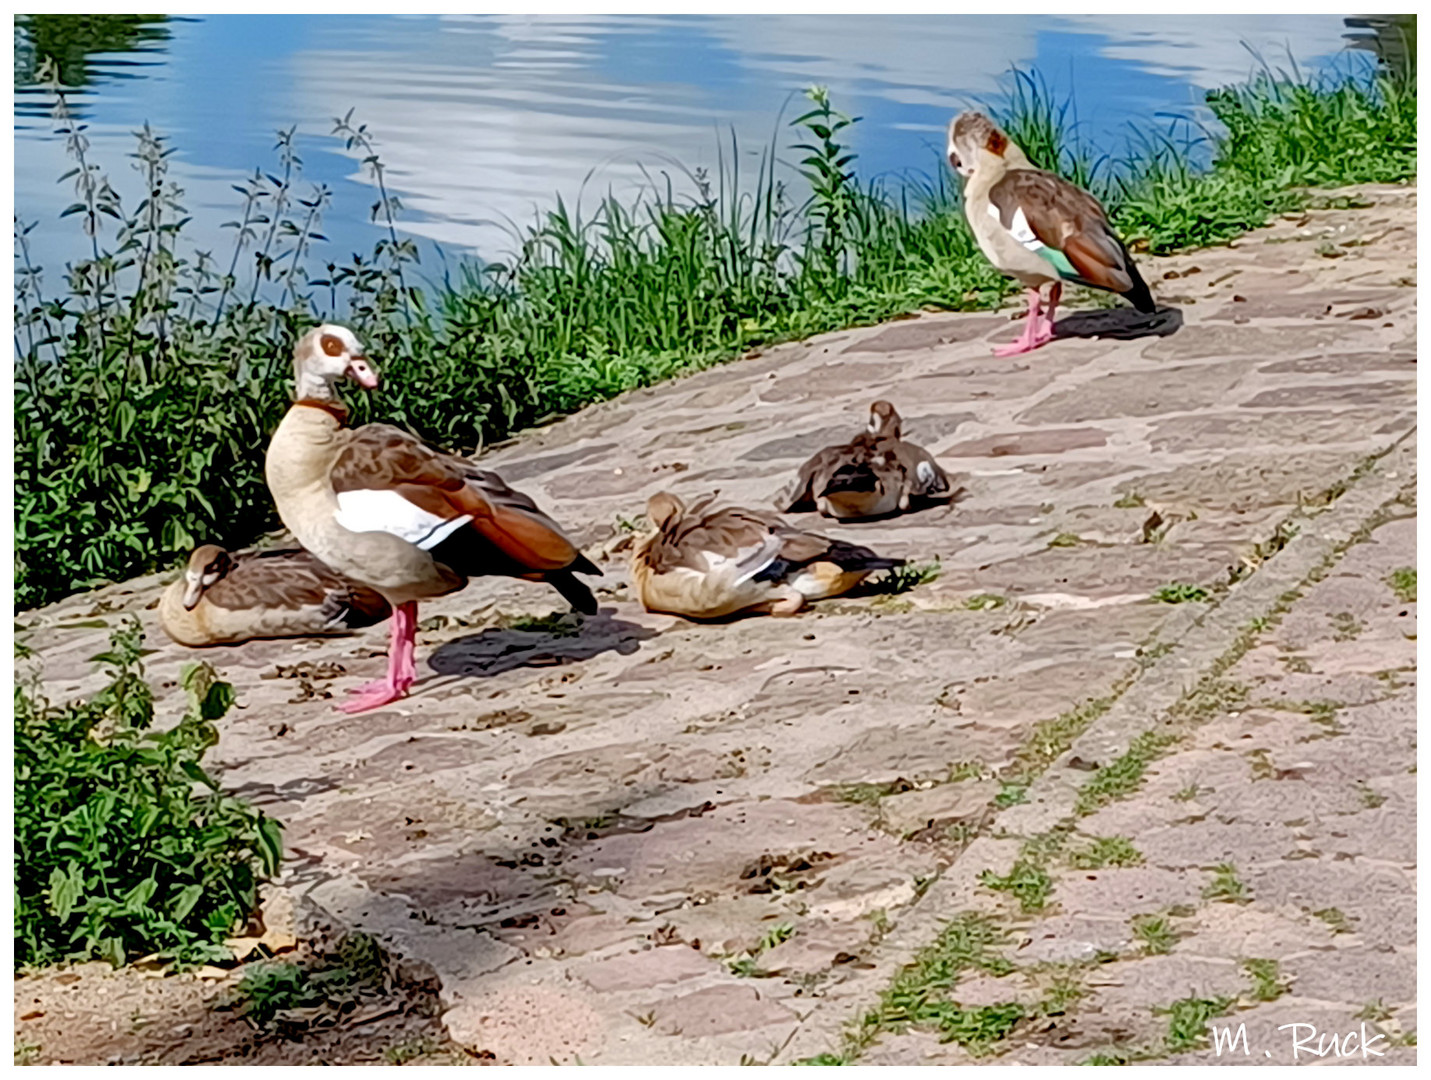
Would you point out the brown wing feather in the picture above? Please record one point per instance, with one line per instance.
(379, 456)
(1067, 219)
(286, 580)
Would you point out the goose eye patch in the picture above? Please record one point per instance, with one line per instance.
(332, 346)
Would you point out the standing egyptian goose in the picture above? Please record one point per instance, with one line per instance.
(225, 599)
(875, 473)
(407, 521)
(704, 564)
(1037, 227)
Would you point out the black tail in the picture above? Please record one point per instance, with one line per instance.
(855, 557)
(576, 593)
(1138, 295)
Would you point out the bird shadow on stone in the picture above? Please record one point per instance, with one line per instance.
(1119, 324)
(500, 649)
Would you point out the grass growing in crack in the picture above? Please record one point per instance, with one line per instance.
(1065, 539)
(1123, 776)
(1050, 738)
(1403, 583)
(1335, 919)
(1226, 885)
(1188, 1019)
(1027, 882)
(1011, 795)
(920, 993)
(1375, 1011)
(985, 602)
(748, 965)
(1181, 593)
(1187, 794)
(1156, 933)
(1267, 981)
(1370, 797)
(1105, 851)
(1129, 501)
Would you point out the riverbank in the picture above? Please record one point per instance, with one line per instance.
(686, 844)
(146, 392)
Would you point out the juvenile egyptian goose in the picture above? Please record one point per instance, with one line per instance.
(407, 521)
(704, 564)
(226, 599)
(875, 473)
(1037, 227)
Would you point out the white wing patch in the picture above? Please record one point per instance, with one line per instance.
(386, 511)
(746, 563)
(925, 473)
(1021, 231)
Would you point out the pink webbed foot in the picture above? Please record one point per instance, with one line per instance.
(368, 687)
(372, 696)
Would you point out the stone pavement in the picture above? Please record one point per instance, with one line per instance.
(637, 840)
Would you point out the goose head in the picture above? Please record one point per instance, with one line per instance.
(327, 355)
(663, 508)
(974, 141)
(884, 420)
(207, 565)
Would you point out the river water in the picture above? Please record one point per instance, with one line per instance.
(483, 120)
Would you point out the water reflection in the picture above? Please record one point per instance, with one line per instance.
(72, 41)
(1391, 37)
(481, 120)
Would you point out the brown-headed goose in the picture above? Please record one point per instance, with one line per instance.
(408, 521)
(704, 564)
(875, 473)
(1037, 227)
(226, 599)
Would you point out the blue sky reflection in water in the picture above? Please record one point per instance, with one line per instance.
(481, 120)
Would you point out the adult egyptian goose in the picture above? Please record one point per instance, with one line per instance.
(875, 473)
(226, 598)
(1037, 227)
(407, 521)
(704, 564)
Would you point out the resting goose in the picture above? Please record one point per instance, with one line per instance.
(405, 520)
(226, 599)
(1037, 227)
(875, 473)
(704, 564)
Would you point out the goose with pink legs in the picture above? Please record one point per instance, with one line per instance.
(1037, 227)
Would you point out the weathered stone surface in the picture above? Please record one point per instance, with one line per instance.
(530, 1025)
(716, 1011)
(955, 803)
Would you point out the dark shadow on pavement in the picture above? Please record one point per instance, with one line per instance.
(496, 650)
(1119, 324)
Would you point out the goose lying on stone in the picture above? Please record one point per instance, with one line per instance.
(704, 564)
(226, 599)
(875, 473)
(1037, 227)
(407, 521)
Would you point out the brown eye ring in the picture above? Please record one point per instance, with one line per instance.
(331, 345)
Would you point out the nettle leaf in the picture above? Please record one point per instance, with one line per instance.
(66, 889)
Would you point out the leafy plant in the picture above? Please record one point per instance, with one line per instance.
(124, 845)
(1403, 582)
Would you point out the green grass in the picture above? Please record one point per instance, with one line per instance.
(1181, 593)
(1028, 882)
(1226, 885)
(1267, 981)
(922, 993)
(1156, 934)
(1188, 1019)
(1123, 776)
(1403, 584)
(1104, 851)
(149, 377)
(984, 602)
